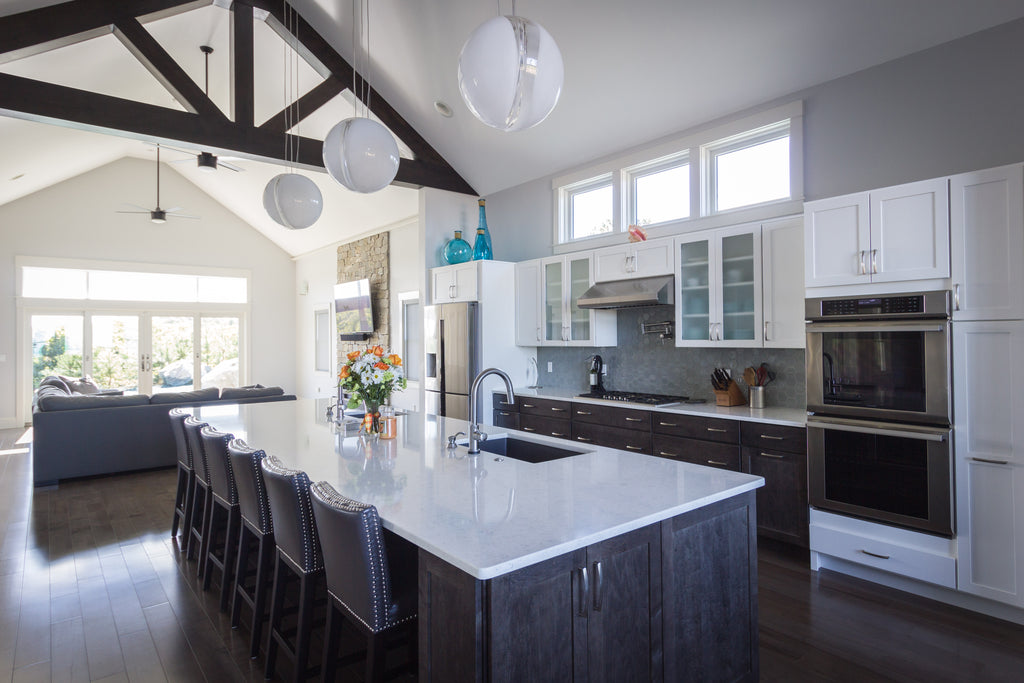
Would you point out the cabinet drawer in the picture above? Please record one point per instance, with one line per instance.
(506, 419)
(500, 402)
(708, 428)
(545, 425)
(774, 437)
(612, 417)
(612, 437)
(725, 456)
(544, 407)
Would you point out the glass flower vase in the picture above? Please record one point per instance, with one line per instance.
(371, 419)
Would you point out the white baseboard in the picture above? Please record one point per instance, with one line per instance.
(10, 423)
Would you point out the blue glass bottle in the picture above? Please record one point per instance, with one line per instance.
(481, 246)
(457, 250)
(482, 225)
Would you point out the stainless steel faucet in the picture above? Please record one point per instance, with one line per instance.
(475, 435)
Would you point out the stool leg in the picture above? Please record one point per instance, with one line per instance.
(179, 498)
(264, 565)
(374, 657)
(208, 544)
(276, 608)
(332, 638)
(307, 586)
(195, 509)
(230, 548)
(241, 569)
(189, 493)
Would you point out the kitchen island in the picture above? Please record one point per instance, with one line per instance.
(605, 564)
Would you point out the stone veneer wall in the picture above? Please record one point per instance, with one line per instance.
(369, 257)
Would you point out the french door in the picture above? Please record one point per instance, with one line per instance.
(138, 352)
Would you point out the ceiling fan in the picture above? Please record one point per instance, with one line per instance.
(159, 215)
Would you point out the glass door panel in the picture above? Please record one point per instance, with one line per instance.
(553, 320)
(579, 283)
(738, 287)
(219, 355)
(172, 361)
(57, 343)
(114, 356)
(695, 290)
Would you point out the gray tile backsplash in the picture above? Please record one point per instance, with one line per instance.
(648, 363)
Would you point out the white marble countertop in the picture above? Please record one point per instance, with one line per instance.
(791, 417)
(484, 514)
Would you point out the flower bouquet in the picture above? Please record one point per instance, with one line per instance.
(370, 377)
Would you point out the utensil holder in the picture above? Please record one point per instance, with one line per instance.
(756, 397)
(732, 396)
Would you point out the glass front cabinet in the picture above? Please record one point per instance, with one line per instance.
(564, 323)
(719, 288)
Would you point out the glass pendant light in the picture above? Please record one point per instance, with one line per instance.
(359, 152)
(510, 72)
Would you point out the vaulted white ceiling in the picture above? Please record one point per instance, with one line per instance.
(634, 72)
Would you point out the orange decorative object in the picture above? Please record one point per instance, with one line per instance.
(377, 350)
(345, 371)
(354, 354)
(395, 359)
(637, 234)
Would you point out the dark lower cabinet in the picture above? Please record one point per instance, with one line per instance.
(673, 601)
(506, 419)
(782, 501)
(710, 453)
(548, 426)
(612, 437)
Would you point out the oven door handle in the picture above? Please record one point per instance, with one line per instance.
(880, 429)
(819, 327)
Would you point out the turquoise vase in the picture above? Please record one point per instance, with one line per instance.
(482, 250)
(457, 250)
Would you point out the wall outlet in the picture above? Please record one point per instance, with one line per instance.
(551, 366)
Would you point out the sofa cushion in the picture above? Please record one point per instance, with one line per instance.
(236, 393)
(57, 382)
(211, 394)
(83, 401)
(84, 385)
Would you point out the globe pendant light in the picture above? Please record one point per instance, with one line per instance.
(360, 153)
(293, 200)
(510, 73)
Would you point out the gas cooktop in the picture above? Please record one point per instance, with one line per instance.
(631, 397)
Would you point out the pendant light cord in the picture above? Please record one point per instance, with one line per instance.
(158, 176)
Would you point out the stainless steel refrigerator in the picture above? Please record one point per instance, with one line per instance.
(451, 343)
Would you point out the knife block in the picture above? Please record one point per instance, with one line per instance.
(732, 396)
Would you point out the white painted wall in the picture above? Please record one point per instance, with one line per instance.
(77, 219)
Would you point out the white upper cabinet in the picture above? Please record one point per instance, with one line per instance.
(449, 284)
(987, 232)
(782, 250)
(889, 235)
(562, 280)
(528, 303)
(637, 259)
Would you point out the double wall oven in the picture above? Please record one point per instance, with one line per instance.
(879, 409)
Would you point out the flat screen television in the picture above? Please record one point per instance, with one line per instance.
(353, 310)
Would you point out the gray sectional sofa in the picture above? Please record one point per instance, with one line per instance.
(77, 434)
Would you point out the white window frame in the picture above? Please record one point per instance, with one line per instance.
(710, 152)
(632, 173)
(566, 195)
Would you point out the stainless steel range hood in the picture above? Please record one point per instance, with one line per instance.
(644, 291)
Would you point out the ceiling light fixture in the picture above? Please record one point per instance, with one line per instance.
(291, 199)
(510, 72)
(359, 152)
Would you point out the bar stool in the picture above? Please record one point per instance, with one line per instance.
(257, 529)
(224, 519)
(200, 491)
(371, 579)
(186, 475)
(298, 558)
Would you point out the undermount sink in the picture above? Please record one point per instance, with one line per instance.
(527, 451)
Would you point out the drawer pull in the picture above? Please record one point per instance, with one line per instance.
(633, 448)
(502, 412)
(720, 464)
(773, 438)
(558, 410)
(716, 429)
(506, 403)
(557, 434)
(668, 424)
(881, 557)
(634, 419)
(668, 455)
(582, 438)
(583, 412)
(529, 429)
(529, 405)
(773, 455)
(991, 462)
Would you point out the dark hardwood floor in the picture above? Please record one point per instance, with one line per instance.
(92, 588)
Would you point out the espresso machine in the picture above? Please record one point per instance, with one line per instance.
(596, 376)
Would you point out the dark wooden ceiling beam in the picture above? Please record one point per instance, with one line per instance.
(48, 28)
(320, 95)
(243, 76)
(163, 67)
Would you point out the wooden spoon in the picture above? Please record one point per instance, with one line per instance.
(750, 377)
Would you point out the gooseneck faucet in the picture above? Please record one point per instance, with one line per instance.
(475, 435)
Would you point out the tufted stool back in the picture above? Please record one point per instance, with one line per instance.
(193, 428)
(252, 491)
(222, 479)
(180, 441)
(294, 526)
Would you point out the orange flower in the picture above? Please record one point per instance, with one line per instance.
(354, 354)
(377, 350)
(395, 359)
(344, 372)
(381, 366)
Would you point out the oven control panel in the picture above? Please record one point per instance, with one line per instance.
(921, 304)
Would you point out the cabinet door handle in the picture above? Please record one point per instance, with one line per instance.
(529, 429)
(956, 297)
(881, 557)
(583, 412)
(773, 455)
(538, 334)
(598, 585)
(558, 410)
(668, 424)
(529, 405)
(766, 324)
(716, 429)
(584, 587)
(874, 261)
(634, 419)
(582, 438)
(557, 434)
(633, 448)
(451, 291)
(773, 438)
(506, 403)
(668, 455)
(863, 263)
(991, 462)
(716, 462)
(503, 413)
(711, 332)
